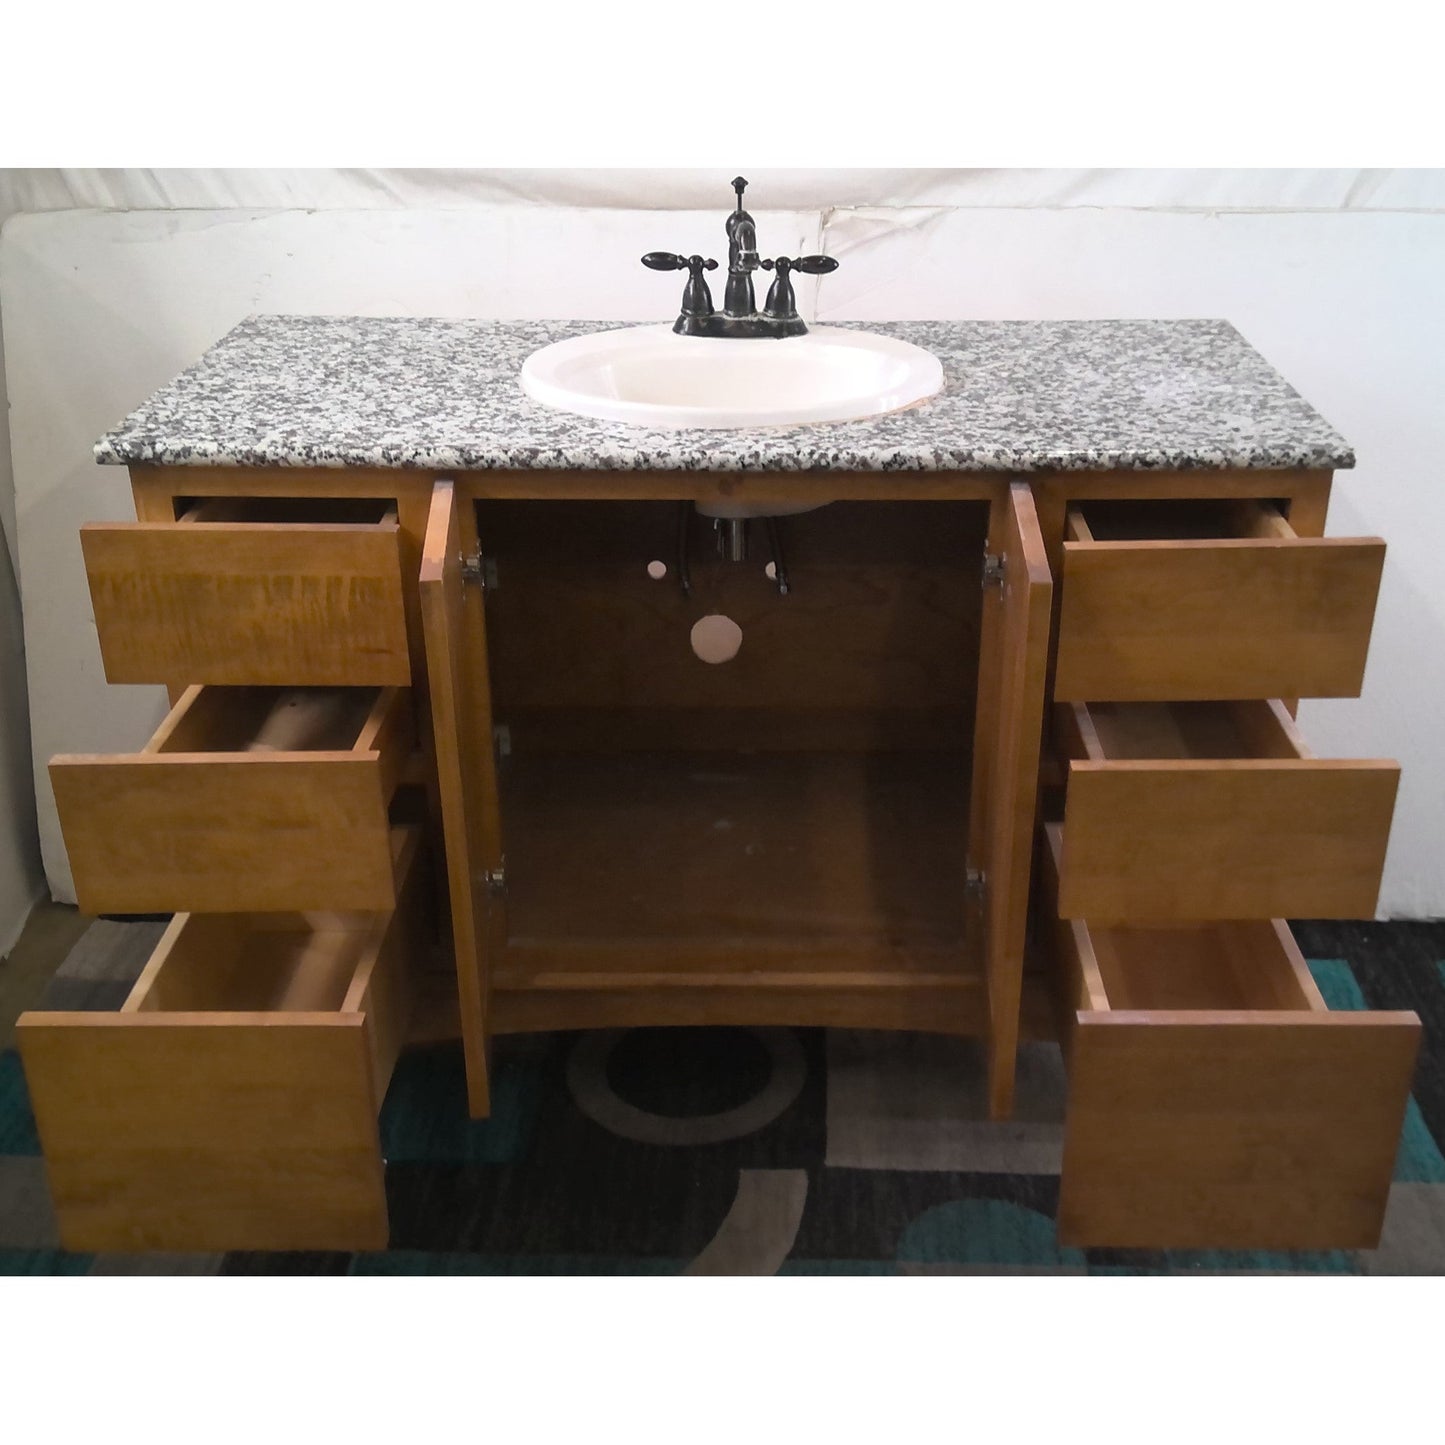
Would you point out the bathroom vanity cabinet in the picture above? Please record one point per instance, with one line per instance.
(1014, 757)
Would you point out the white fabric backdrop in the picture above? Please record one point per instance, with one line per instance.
(1334, 275)
(697, 188)
(820, 190)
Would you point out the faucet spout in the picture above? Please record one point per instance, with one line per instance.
(739, 299)
(743, 245)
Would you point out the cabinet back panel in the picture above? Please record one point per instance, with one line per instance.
(877, 641)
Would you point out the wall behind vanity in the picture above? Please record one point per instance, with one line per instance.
(1333, 275)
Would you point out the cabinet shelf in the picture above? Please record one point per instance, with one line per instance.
(761, 888)
(737, 847)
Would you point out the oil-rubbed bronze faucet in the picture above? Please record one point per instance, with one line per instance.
(740, 316)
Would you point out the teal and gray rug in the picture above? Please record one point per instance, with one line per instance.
(747, 1151)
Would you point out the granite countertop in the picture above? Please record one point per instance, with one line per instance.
(321, 391)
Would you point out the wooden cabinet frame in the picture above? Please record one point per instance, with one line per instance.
(501, 987)
(505, 975)
(977, 989)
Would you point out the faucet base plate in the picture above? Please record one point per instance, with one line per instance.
(739, 328)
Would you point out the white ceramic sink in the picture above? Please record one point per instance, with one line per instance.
(649, 376)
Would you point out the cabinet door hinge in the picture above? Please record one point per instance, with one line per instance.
(479, 569)
(497, 878)
(975, 883)
(993, 565)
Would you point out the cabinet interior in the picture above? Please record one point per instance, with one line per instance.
(815, 786)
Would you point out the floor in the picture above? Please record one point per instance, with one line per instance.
(51, 931)
(728, 1151)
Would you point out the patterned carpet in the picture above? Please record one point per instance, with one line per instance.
(742, 1151)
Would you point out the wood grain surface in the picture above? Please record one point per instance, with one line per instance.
(1262, 614)
(1019, 609)
(461, 729)
(239, 602)
(230, 830)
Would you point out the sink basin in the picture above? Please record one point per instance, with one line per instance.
(649, 376)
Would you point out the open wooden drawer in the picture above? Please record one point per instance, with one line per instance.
(246, 590)
(1214, 1101)
(1215, 810)
(232, 1102)
(244, 799)
(1201, 600)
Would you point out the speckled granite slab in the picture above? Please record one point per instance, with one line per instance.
(316, 391)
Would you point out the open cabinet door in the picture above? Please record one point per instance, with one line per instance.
(456, 660)
(1012, 671)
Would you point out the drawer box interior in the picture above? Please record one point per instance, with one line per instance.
(242, 590)
(244, 799)
(1203, 810)
(1167, 600)
(1111, 731)
(1250, 965)
(258, 963)
(289, 511)
(273, 719)
(1175, 521)
(1200, 967)
(232, 1102)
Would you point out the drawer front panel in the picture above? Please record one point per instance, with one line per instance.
(248, 603)
(207, 1131)
(1243, 1130)
(157, 834)
(1247, 839)
(1202, 620)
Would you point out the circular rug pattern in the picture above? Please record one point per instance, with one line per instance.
(722, 1083)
